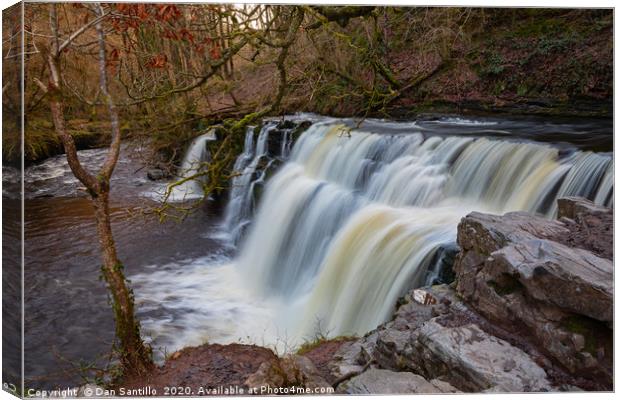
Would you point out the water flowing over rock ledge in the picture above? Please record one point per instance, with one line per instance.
(530, 310)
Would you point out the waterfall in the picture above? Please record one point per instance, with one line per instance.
(251, 169)
(354, 219)
(605, 194)
(241, 201)
(196, 154)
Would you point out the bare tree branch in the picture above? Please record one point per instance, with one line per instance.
(115, 145)
(80, 31)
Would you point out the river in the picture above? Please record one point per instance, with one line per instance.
(349, 221)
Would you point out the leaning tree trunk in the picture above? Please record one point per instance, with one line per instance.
(134, 355)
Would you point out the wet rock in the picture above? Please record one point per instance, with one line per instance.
(468, 358)
(471, 359)
(395, 340)
(575, 207)
(591, 226)
(513, 270)
(397, 345)
(382, 381)
(322, 354)
(440, 268)
(486, 233)
(574, 280)
(155, 174)
(353, 357)
(300, 371)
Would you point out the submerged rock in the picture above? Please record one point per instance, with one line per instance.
(156, 174)
(440, 268)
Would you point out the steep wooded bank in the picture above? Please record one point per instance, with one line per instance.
(177, 70)
(458, 60)
(526, 312)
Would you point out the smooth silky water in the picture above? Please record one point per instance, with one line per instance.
(347, 221)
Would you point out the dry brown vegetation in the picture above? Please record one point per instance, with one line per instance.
(343, 61)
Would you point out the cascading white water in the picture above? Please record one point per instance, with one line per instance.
(195, 156)
(241, 202)
(605, 194)
(353, 219)
(251, 169)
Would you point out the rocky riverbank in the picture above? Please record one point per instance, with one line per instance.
(530, 310)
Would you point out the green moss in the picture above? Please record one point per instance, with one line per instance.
(493, 65)
(586, 327)
(319, 340)
(522, 90)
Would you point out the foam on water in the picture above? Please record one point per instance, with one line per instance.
(192, 302)
(350, 223)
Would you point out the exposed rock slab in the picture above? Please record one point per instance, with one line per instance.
(444, 339)
(513, 270)
(591, 226)
(473, 359)
(352, 357)
(322, 354)
(382, 381)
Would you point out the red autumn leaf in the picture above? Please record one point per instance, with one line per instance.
(114, 55)
(167, 12)
(215, 52)
(159, 61)
(186, 35)
(141, 11)
(116, 25)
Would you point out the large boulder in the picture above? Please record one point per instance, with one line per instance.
(515, 271)
(578, 207)
(436, 336)
(529, 313)
(591, 226)
(469, 358)
(352, 358)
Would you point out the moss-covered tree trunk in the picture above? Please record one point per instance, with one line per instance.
(134, 355)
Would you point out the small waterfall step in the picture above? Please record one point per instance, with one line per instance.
(265, 149)
(196, 155)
